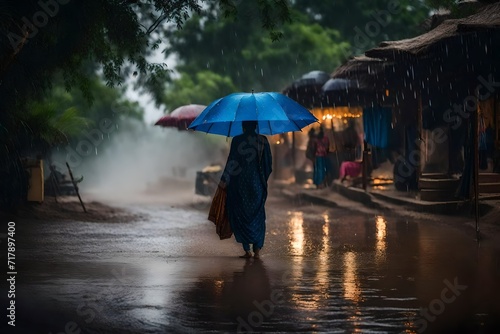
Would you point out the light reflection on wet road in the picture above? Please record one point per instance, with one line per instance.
(323, 270)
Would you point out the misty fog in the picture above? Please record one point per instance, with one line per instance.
(139, 162)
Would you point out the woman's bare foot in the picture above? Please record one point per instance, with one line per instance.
(256, 254)
(247, 255)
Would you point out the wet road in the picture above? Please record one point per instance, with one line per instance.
(322, 270)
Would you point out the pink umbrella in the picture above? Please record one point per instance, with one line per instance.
(181, 117)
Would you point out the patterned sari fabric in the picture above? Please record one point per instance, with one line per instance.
(247, 170)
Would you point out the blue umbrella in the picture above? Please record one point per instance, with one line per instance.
(274, 112)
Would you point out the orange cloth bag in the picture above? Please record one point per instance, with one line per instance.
(218, 214)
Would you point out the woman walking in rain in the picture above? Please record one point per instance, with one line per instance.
(245, 177)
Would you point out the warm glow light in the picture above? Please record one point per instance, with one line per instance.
(326, 239)
(381, 227)
(381, 244)
(278, 142)
(318, 294)
(297, 233)
(350, 281)
(337, 112)
(218, 286)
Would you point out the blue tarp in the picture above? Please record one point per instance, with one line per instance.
(377, 126)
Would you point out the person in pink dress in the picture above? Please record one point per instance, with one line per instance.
(349, 168)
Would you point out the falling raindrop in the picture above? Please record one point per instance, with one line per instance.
(96, 150)
(261, 72)
(222, 51)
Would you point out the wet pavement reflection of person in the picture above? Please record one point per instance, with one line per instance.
(246, 293)
(235, 297)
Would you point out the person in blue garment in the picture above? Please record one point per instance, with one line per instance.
(321, 162)
(245, 177)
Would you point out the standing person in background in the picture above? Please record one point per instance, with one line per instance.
(245, 177)
(311, 145)
(321, 163)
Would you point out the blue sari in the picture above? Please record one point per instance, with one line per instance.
(320, 170)
(247, 170)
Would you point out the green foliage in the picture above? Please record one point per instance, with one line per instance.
(436, 4)
(116, 35)
(51, 126)
(304, 47)
(273, 14)
(197, 89)
(364, 24)
(458, 9)
(242, 51)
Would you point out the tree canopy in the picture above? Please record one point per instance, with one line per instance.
(39, 38)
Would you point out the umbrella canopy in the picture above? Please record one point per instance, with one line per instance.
(347, 92)
(313, 78)
(181, 117)
(307, 89)
(274, 112)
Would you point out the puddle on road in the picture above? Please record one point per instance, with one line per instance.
(329, 272)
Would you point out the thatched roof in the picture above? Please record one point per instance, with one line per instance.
(359, 66)
(487, 18)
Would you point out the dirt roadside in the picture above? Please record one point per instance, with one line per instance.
(70, 209)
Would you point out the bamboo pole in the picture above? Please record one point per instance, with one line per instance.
(476, 168)
(76, 188)
(54, 185)
(419, 134)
